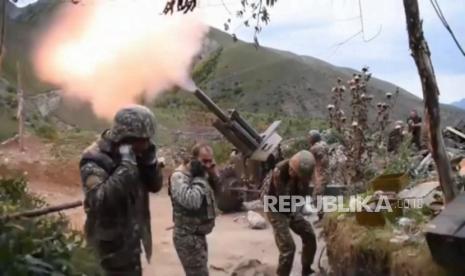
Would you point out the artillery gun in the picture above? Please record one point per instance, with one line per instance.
(254, 156)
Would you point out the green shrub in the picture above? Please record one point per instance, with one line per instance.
(237, 90)
(203, 71)
(222, 151)
(11, 100)
(401, 161)
(39, 246)
(47, 131)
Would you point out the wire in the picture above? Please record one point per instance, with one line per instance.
(441, 16)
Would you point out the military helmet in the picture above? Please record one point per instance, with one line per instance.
(305, 162)
(135, 121)
(314, 135)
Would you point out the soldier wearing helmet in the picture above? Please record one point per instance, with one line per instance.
(118, 171)
(396, 137)
(291, 177)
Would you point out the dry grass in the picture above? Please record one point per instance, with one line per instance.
(358, 250)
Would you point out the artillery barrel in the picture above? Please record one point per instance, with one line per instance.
(211, 105)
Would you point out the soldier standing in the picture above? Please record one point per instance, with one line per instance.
(320, 151)
(396, 136)
(291, 177)
(414, 127)
(192, 196)
(118, 171)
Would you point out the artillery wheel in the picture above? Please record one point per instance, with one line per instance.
(228, 200)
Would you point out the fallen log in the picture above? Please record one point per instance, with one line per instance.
(42, 211)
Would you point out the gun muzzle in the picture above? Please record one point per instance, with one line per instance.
(211, 105)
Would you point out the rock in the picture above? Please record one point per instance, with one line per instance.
(252, 267)
(256, 221)
(406, 224)
(400, 239)
(253, 205)
(47, 103)
(422, 194)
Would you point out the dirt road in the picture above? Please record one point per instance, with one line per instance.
(230, 243)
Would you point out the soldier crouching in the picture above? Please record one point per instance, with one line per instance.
(118, 171)
(192, 196)
(291, 177)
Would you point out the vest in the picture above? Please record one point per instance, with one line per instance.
(200, 221)
(131, 220)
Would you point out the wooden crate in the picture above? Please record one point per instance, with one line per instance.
(390, 182)
(366, 218)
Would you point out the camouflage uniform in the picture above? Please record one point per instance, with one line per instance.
(194, 217)
(117, 194)
(395, 138)
(281, 222)
(415, 130)
(321, 177)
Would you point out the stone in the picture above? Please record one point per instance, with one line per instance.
(253, 205)
(255, 220)
(253, 267)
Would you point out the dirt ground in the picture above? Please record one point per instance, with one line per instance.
(230, 243)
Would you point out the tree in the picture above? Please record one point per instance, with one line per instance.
(422, 56)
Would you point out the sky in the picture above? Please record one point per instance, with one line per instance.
(317, 28)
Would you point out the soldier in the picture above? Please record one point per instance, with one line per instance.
(118, 171)
(414, 127)
(320, 151)
(192, 196)
(291, 177)
(396, 136)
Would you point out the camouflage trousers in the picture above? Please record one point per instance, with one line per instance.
(281, 224)
(117, 262)
(192, 251)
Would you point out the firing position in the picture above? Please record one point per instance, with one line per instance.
(191, 191)
(291, 177)
(118, 171)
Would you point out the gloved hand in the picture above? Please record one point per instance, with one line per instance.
(127, 154)
(149, 157)
(161, 162)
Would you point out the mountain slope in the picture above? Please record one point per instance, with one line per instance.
(459, 104)
(275, 83)
(273, 80)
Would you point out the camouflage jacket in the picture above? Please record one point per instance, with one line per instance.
(117, 196)
(279, 182)
(193, 203)
(321, 176)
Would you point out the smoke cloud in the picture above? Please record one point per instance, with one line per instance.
(112, 53)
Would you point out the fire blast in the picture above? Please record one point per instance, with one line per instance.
(112, 53)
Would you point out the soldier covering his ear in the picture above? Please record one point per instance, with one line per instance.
(118, 171)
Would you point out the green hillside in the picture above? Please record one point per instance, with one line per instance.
(265, 84)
